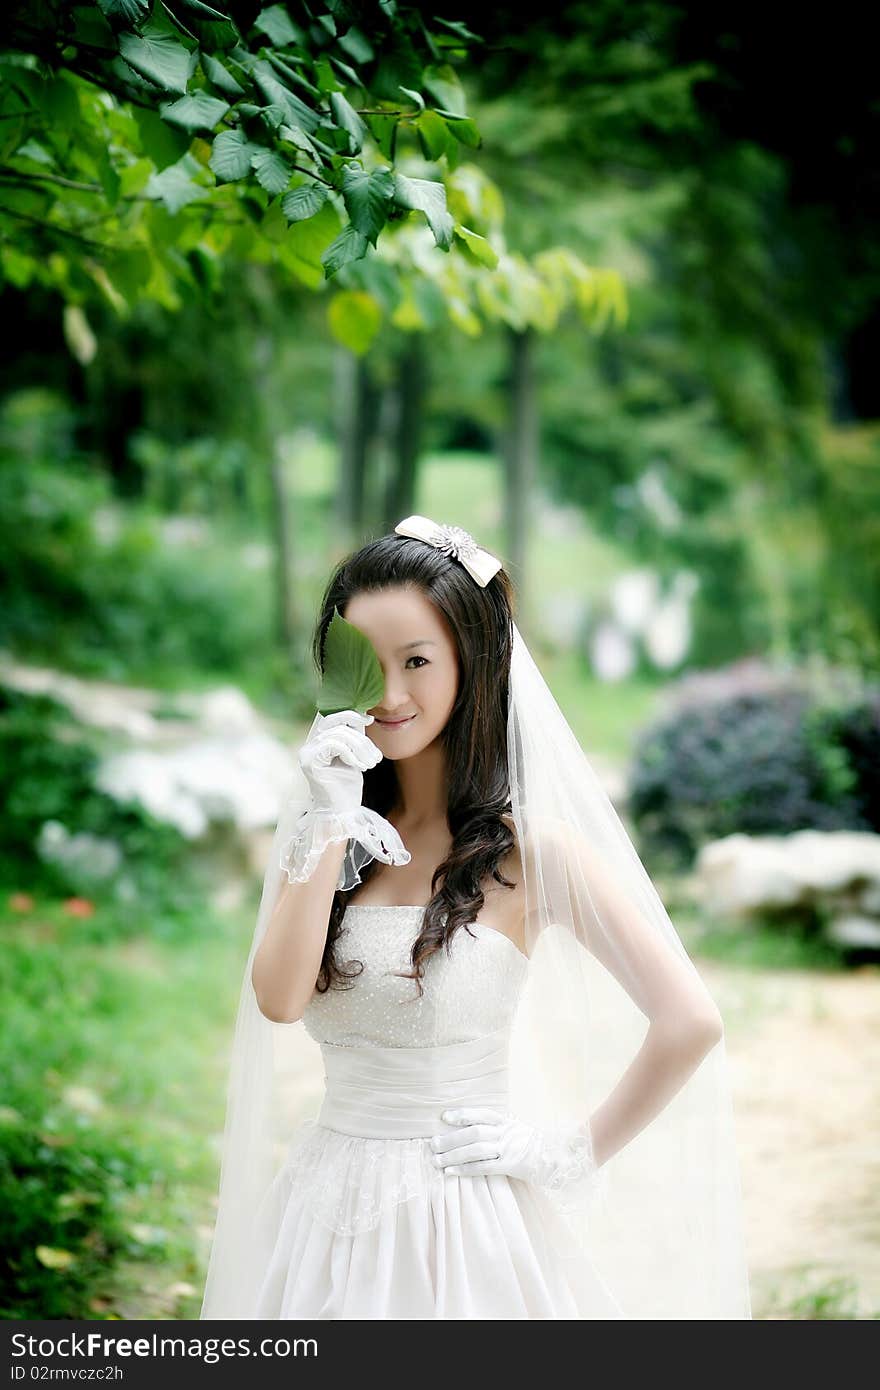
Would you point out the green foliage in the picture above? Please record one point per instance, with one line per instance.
(134, 136)
(762, 758)
(62, 1217)
(48, 767)
(848, 742)
(91, 586)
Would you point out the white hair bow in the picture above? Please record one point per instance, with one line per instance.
(454, 541)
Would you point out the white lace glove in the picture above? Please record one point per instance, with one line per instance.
(333, 758)
(488, 1141)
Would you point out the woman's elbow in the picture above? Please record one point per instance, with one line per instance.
(693, 1034)
(271, 1012)
(708, 1029)
(277, 1015)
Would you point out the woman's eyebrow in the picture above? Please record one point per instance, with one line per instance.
(419, 642)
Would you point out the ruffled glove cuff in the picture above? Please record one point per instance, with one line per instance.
(370, 836)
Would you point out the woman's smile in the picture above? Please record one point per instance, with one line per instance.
(395, 723)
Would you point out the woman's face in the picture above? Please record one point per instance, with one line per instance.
(420, 664)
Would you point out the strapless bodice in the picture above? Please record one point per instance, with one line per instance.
(469, 992)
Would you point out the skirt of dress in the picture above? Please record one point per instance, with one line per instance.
(433, 1245)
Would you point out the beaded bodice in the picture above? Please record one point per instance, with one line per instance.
(468, 992)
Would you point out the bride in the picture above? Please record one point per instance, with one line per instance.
(527, 1107)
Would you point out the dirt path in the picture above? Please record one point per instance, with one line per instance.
(805, 1056)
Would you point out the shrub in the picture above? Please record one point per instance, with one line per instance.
(754, 752)
(855, 731)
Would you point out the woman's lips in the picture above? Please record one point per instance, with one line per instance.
(395, 723)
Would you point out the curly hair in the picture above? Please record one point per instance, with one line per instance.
(474, 739)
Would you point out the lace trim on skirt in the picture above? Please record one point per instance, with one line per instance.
(348, 1183)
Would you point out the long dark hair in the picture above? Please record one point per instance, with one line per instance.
(474, 739)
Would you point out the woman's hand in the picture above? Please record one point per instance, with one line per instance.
(334, 757)
(489, 1141)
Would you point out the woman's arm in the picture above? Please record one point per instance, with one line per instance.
(287, 960)
(684, 1023)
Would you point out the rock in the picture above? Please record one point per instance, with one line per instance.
(237, 780)
(743, 874)
(859, 933)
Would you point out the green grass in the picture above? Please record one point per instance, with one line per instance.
(769, 945)
(808, 1295)
(127, 1040)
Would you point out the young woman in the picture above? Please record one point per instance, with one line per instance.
(455, 915)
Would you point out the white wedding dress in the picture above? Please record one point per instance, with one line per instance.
(361, 1223)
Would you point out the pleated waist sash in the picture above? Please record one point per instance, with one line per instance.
(399, 1092)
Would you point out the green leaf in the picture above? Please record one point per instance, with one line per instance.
(327, 79)
(273, 116)
(348, 120)
(304, 201)
(297, 111)
(384, 131)
(350, 245)
(129, 10)
(162, 143)
(456, 27)
(433, 134)
(158, 57)
(277, 25)
(301, 249)
(347, 71)
(298, 137)
(463, 128)
(357, 45)
(231, 155)
(272, 170)
(416, 96)
(174, 187)
(294, 78)
(352, 677)
(368, 199)
(354, 318)
(202, 9)
(478, 246)
(90, 27)
(442, 81)
(221, 76)
(429, 197)
(32, 149)
(195, 111)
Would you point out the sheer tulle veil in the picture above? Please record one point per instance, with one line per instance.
(663, 1224)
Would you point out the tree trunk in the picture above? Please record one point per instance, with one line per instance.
(285, 618)
(412, 380)
(520, 455)
(358, 401)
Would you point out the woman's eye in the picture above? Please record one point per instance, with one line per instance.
(418, 658)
